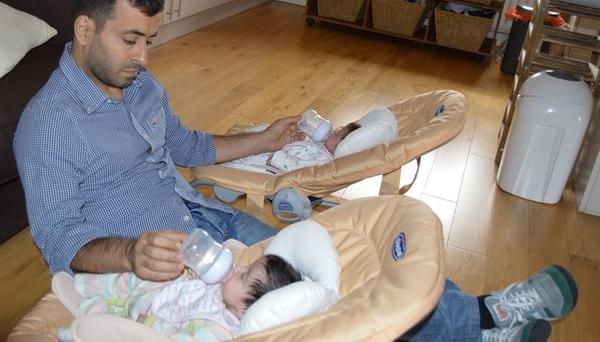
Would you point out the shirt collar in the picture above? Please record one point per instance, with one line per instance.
(87, 91)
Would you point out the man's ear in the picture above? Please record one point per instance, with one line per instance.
(85, 29)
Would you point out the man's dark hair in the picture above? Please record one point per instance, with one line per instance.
(279, 273)
(101, 10)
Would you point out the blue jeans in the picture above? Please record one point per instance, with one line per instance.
(222, 226)
(455, 318)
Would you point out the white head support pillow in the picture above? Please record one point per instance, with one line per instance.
(309, 249)
(378, 126)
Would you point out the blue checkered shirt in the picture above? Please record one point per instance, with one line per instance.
(95, 167)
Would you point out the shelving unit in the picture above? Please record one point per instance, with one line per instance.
(532, 60)
(425, 34)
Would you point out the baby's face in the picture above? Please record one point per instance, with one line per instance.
(334, 139)
(236, 286)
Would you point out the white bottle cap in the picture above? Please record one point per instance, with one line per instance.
(314, 125)
(322, 132)
(219, 269)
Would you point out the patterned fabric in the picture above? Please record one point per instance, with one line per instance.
(183, 307)
(300, 154)
(186, 300)
(291, 157)
(95, 167)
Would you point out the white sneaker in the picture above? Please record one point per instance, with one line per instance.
(549, 294)
(535, 331)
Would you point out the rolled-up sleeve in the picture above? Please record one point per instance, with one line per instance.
(187, 147)
(51, 160)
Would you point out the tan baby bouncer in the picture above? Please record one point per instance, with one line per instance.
(425, 122)
(382, 293)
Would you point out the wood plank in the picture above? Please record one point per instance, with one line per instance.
(508, 248)
(586, 315)
(444, 210)
(446, 175)
(584, 237)
(408, 171)
(353, 108)
(549, 245)
(466, 269)
(485, 138)
(472, 219)
(24, 279)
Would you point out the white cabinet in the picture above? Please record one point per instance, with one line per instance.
(172, 11)
(190, 7)
(587, 181)
(179, 9)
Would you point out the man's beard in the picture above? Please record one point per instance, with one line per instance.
(100, 65)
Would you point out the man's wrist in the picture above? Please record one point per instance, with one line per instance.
(263, 142)
(129, 254)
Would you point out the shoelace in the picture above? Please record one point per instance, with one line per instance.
(498, 334)
(520, 300)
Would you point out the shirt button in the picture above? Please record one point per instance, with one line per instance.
(186, 218)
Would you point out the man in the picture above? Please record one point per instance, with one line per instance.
(96, 150)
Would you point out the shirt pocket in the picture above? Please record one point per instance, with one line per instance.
(156, 127)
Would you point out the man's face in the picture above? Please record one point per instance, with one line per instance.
(119, 50)
(236, 286)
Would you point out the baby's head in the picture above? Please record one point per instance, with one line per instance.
(338, 135)
(246, 284)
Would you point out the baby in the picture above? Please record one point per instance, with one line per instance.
(296, 155)
(185, 307)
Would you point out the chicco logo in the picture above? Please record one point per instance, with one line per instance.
(285, 206)
(399, 246)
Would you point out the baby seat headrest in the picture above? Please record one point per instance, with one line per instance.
(378, 126)
(308, 247)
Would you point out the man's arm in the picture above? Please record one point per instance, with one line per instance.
(52, 158)
(154, 256)
(278, 134)
(194, 148)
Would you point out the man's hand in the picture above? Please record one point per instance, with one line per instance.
(157, 256)
(281, 132)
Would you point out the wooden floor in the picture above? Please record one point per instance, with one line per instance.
(265, 63)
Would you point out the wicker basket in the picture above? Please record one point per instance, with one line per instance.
(347, 10)
(397, 16)
(461, 31)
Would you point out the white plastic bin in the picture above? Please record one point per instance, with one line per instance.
(552, 114)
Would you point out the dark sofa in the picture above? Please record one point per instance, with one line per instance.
(16, 88)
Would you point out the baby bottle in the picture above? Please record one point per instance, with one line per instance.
(314, 125)
(208, 258)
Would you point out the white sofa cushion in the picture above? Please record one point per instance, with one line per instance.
(19, 33)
